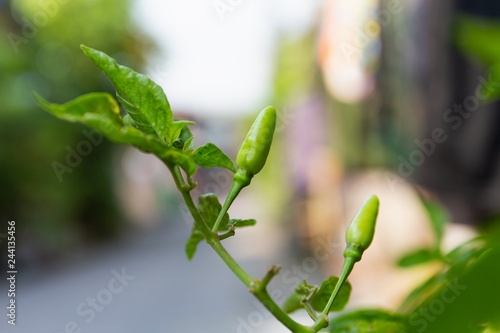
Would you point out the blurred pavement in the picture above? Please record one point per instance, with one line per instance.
(159, 291)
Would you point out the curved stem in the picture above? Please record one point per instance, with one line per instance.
(271, 272)
(246, 278)
(184, 189)
(255, 286)
(210, 237)
(233, 193)
(309, 308)
(241, 179)
(322, 322)
(346, 270)
(228, 234)
(279, 314)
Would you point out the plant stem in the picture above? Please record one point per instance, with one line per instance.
(184, 189)
(230, 262)
(279, 314)
(309, 309)
(255, 286)
(228, 234)
(346, 270)
(233, 193)
(322, 322)
(258, 288)
(271, 272)
(210, 236)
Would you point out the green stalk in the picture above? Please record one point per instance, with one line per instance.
(242, 179)
(210, 237)
(278, 313)
(233, 193)
(309, 308)
(323, 321)
(246, 278)
(185, 192)
(255, 286)
(346, 270)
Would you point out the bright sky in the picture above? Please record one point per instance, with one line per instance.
(217, 56)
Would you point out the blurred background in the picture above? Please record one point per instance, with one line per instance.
(384, 97)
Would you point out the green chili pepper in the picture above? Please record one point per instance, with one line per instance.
(251, 157)
(359, 236)
(360, 233)
(254, 150)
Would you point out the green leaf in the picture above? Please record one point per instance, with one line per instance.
(470, 297)
(83, 108)
(438, 216)
(458, 260)
(321, 297)
(101, 112)
(209, 208)
(237, 223)
(364, 321)
(185, 135)
(466, 252)
(143, 99)
(128, 121)
(491, 89)
(183, 160)
(193, 241)
(209, 156)
(421, 293)
(419, 256)
(188, 146)
(292, 303)
(185, 140)
(177, 128)
(478, 38)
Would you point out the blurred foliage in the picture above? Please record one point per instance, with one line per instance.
(296, 74)
(367, 321)
(438, 218)
(41, 52)
(463, 296)
(478, 39)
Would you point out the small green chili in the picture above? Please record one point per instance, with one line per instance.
(360, 233)
(254, 150)
(359, 236)
(251, 156)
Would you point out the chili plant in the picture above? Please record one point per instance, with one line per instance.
(149, 126)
